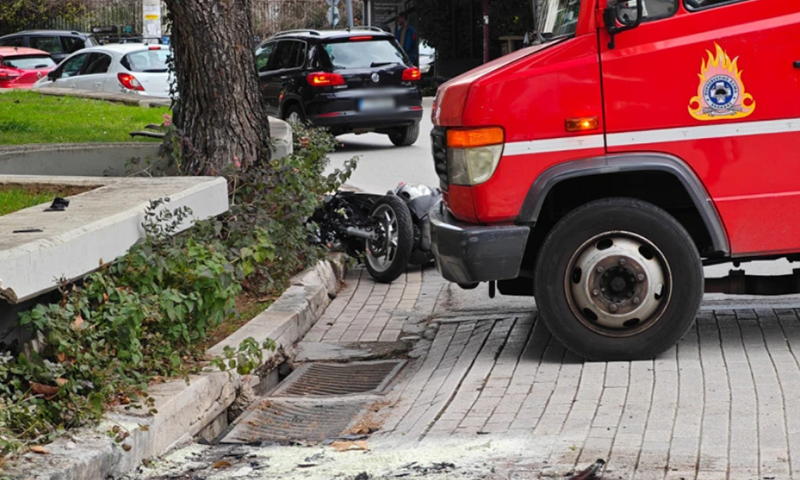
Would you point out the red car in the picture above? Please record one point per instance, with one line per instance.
(22, 67)
(601, 169)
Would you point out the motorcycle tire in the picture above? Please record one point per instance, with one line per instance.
(387, 260)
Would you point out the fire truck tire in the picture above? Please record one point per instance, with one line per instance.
(405, 136)
(618, 279)
(387, 257)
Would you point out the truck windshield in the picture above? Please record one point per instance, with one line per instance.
(558, 18)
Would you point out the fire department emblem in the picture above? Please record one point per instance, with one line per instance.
(721, 94)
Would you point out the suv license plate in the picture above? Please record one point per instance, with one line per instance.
(374, 104)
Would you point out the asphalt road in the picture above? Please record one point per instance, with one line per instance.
(382, 166)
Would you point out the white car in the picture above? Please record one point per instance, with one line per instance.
(118, 68)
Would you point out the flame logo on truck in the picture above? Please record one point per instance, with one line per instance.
(721, 94)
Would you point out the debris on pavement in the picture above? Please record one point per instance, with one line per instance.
(591, 472)
(346, 446)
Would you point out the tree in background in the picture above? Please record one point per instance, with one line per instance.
(455, 27)
(16, 15)
(222, 114)
(271, 17)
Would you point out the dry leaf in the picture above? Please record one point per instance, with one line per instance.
(221, 464)
(126, 447)
(78, 323)
(61, 357)
(343, 446)
(61, 381)
(45, 390)
(105, 297)
(39, 449)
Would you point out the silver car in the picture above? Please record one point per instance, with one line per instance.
(118, 68)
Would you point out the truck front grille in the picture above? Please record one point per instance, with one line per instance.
(439, 147)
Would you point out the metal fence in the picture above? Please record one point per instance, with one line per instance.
(126, 13)
(269, 16)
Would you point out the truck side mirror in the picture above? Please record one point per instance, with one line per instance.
(622, 15)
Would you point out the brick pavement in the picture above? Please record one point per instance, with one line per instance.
(723, 404)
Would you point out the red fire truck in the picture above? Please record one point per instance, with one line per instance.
(601, 169)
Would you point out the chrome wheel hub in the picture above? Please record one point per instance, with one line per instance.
(382, 251)
(618, 283)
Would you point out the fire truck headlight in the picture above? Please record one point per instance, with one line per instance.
(473, 166)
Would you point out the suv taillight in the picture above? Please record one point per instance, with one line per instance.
(129, 81)
(411, 74)
(325, 79)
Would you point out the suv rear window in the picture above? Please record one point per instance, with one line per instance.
(363, 54)
(151, 61)
(28, 62)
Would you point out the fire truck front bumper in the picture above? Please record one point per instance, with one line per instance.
(467, 253)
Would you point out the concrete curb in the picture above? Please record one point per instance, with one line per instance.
(124, 98)
(186, 410)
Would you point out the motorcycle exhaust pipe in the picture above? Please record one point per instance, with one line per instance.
(359, 233)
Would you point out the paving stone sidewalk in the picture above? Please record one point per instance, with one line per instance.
(723, 404)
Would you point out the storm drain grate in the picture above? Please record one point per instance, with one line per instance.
(275, 420)
(332, 379)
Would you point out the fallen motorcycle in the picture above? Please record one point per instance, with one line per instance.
(387, 232)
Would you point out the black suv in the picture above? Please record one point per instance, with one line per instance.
(354, 81)
(58, 43)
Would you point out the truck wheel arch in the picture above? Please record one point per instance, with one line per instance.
(659, 165)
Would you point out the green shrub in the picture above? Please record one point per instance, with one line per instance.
(147, 315)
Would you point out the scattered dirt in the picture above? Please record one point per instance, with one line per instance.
(372, 421)
(346, 446)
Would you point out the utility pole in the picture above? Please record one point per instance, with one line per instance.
(349, 13)
(485, 31)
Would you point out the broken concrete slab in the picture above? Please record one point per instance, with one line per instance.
(346, 352)
(98, 226)
(327, 352)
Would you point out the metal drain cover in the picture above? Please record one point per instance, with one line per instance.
(336, 379)
(277, 420)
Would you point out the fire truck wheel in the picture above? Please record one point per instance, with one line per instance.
(388, 254)
(618, 279)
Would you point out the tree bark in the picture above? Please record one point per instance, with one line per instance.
(221, 109)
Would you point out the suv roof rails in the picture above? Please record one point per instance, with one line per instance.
(301, 30)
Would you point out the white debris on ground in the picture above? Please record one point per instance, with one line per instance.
(454, 458)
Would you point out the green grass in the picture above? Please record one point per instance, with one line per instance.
(16, 198)
(28, 117)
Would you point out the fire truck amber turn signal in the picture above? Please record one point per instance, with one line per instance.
(473, 154)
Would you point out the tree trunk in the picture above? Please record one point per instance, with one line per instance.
(221, 109)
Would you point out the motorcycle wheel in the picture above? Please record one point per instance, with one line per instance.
(387, 256)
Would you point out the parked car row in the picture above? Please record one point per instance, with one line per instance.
(66, 59)
(351, 81)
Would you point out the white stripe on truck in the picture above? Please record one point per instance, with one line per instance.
(644, 137)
